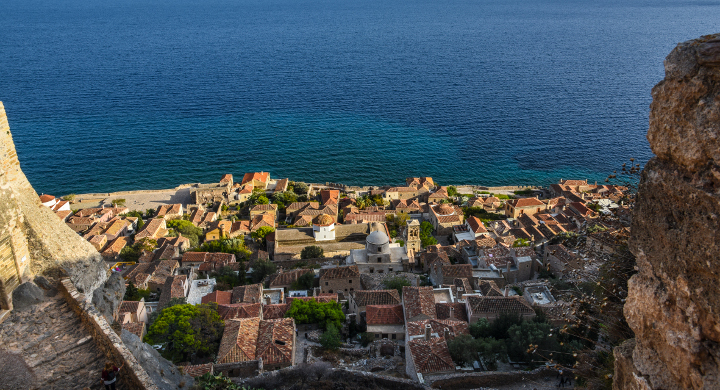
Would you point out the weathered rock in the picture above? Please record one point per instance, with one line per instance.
(673, 302)
(108, 298)
(26, 296)
(16, 374)
(163, 372)
(40, 241)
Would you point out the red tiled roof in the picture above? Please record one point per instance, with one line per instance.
(271, 312)
(456, 327)
(129, 307)
(239, 340)
(226, 178)
(46, 198)
(287, 278)
(376, 297)
(275, 341)
(260, 176)
(384, 315)
(476, 225)
(173, 288)
(350, 271)
(497, 305)
(239, 310)
(219, 297)
(457, 271)
(136, 328)
(252, 293)
(459, 312)
(197, 370)
(417, 301)
(526, 202)
(431, 356)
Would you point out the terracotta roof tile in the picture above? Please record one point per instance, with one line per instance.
(351, 271)
(498, 305)
(431, 356)
(287, 278)
(271, 312)
(251, 293)
(376, 297)
(239, 340)
(136, 328)
(219, 297)
(384, 315)
(455, 327)
(459, 312)
(275, 341)
(417, 301)
(240, 310)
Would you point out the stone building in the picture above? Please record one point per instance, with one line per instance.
(213, 192)
(288, 243)
(379, 255)
(385, 321)
(258, 180)
(492, 307)
(340, 279)
(516, 207)
(412, 236)
(360, 299)
(264, 209)
(444, 217)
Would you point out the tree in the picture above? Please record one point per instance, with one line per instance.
(304, 282)
(396, 283)
(452, 191)
(132, 253)
(312, 252)
(187, 331)
(69, 197)
(150, 213)
(313, 312)
(330, 339)
(262, 232)
(463, 349)
(300, 188)
(133, 293)
(262, 199)
(227, 279)
(236, 246)
(187, 229)
(426, 238)
(119, 202)
(261, 269)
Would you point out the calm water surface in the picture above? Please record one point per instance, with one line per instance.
(129, 94)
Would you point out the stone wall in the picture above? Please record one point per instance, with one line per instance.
(133, 375)
(290, 264)
(240, 369)
(475, 380)
(674, 299)
(36, 234)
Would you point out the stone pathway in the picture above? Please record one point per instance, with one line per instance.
(58, 351)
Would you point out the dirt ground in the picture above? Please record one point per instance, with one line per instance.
(140, 201)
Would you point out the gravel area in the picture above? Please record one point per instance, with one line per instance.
(140, 201)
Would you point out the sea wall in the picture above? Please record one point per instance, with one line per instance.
(133, 375)
(674, 299)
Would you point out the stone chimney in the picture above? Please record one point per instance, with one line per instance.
(446, 333)
(428, 330)
(507, 290)
(253, 300)
(268, 301)
(452, 313)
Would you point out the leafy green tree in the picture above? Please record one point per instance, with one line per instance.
(236, 246)
(300, 188)
(452, 191)
(119, 202)
(262, 232)
(150, 213)
(330, 339)
(396, 283)
(187, 331)
(261, 269)
(131, 292)
(313, 312)
(312, 252)
(482, 328)
(227, 279)
(426, 238)
(304, 282)
(132, 253)
(463, 349)
(69, 197)
(521, 242)
(262, 199)
(187, 229)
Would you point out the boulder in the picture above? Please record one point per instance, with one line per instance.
(164, 373)
(108, 297)
(27, 295)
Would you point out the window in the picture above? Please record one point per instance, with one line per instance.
(345, 289)
(379, 249)
(326, 283)
(394, 336)
(379, 260)
(350, 281)
(377, 335)
(330, 291)
(278, 342)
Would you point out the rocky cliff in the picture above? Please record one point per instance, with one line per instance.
(35, 240)
(673, 304)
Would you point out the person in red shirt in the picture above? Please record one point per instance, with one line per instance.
(109, 375)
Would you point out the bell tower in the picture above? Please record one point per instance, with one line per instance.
(412, 235)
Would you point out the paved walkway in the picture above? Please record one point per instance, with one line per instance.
(59, 353)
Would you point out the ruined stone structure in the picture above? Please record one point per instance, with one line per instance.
(674, 301)
(33, 240)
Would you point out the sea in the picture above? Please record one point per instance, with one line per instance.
(120, 95)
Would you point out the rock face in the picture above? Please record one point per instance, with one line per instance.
(674, 301)
(27, 295)
(108, 298)
(163, 373)
(33, 240)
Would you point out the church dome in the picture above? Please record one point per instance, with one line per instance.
(445, 209)
(377, 237)
(324, 220)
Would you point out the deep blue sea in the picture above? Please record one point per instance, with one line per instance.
(146, 94)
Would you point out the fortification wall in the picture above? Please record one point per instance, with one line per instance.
(39, 241)
(133, 375)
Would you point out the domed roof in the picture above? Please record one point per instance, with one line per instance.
(378, 237)
(324, 220)
(445, 209)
